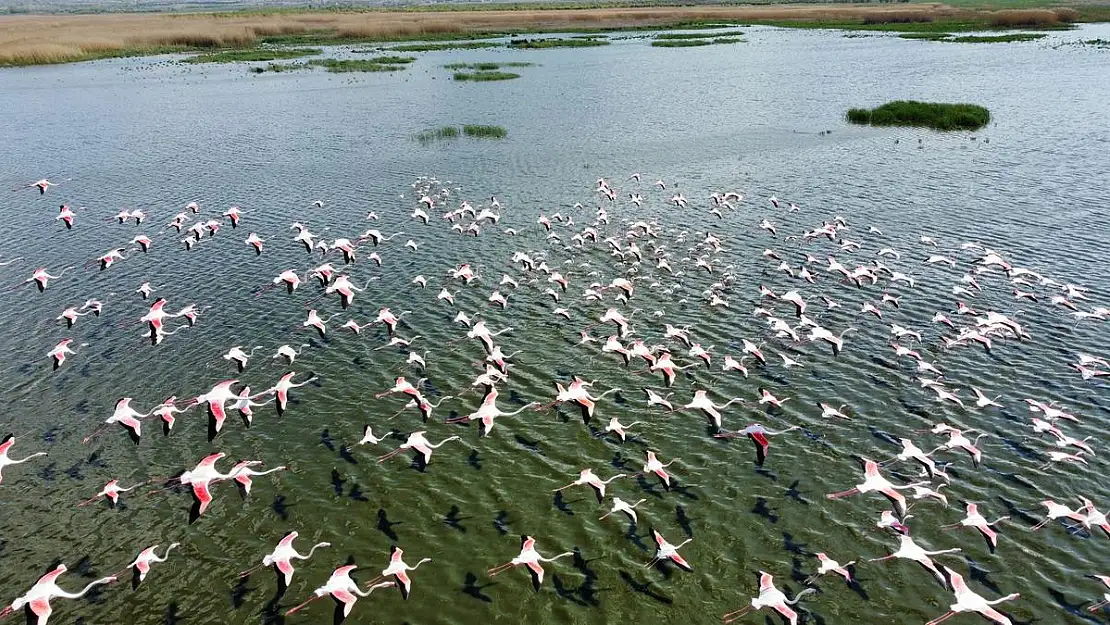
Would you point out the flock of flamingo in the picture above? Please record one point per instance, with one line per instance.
(615, 269)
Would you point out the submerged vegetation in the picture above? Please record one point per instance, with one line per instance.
(935, 115)
(438, 47)
(380, 64)
(453, 132)
(485, 76)
(261, 54)
(710, 35)
(949, 37)
(539, 44)
(486, 67)
(687, 43)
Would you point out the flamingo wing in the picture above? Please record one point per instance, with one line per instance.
(200, 490)
(537, 570)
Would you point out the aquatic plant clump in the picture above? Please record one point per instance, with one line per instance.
(935, 115)
(453, 132)
(245, 56)
(709, 35)
(438, 47)
(539, 44)
(485, 67)
(484, 76)
(338, 66)
(485, 132)
(1015, 37)
(688, 43)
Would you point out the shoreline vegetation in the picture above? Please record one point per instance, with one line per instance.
(48, 39)
(935, 115)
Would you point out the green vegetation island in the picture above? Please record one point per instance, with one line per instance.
(935, 115)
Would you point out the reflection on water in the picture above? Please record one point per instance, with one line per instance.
(762, 118)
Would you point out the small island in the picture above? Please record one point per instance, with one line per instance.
(935, 115)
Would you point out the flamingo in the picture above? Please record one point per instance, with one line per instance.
(653, 465)
(620, 505)
(5, 447)
(147, 557)
(909, 550)
(399, 570)
(968, 601)
(111, 490)
(828, 565)
(417, 441)
(239, 356)
(702, 402)
(976, 520)
(587, 476)
(666, 551)
(45, 589)
(530, 558)
(288, 353)
(283, 386)
(126, 416)
(770, 597)
(759, 435)
(201, 478)
(342, 588)
(58, 354)
(282, 557)
(874, 482)
(216, 398)
(242, 473)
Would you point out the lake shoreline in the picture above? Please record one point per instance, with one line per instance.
(50, 39)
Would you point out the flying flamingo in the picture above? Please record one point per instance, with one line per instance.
(315, 321)
(111, 490)
(530, 558)
(401, 385)
(216, 398)
(245, 405)
(201, 478)
(417, 441)
(909, 550)
(616, 426)
(242, 472)
(653, 465)
(1105, 579)
(488, 411)
(828, 565)
(288, 353)
(968, 601)
(620, 505)
(976, 520)
(588, 477)
(342, 588)
(65, 214)
(282, 557)
(58, 354)
(239, 356)
(666, 551)
(759, 435)
(282, 387)
(126, 416)
(770, 597)
(874, 482)
(702, 402)
(255, 241)
(399, 570)
(5, 447)
(45, 589)
(1058, 511)
(146, 557)
(42, 278)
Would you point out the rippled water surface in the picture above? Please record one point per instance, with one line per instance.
(763, 118)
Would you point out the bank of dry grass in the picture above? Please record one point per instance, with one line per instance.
(32, 40)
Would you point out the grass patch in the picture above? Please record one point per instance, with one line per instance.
(690, 43)
(926, 36)
(540, 44)
(389, 60)
(453, 132)
(436, 47)
(244, 56)
(730, 33)
(935, 115)
(484, 76)
(485, 67)
(280, 67)
(337, 66)
(997, 38)
(485, 132)
(1098, 43)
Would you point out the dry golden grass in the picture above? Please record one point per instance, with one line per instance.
(29, 39)
(1015, 18)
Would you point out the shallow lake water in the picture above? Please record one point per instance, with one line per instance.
(763, 117)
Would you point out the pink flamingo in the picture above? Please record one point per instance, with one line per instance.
(770, 597)
(666, 551)
(216, 398)
(5, 447)
(653, 465)
(58, 354)
(976, 520)
(282, 557)
(147, 557)
(126, 416)
(399, 570)
(530, 558)
(874, 482)
(588, 477)
(828, 565)
(45, 589)
(968, 601)
(242, 472)
(111, 490)
(417, 441)
(282, 387)
(909, 550)
(201, 478)
(342, 588)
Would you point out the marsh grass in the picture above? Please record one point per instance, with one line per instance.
(485, 132)
(280, 67)
(453, 132)
(935, 115)
(539, 44)
(713, 35)
(485, 76)
(337, 66)
(997, 38)
(437, 47)
(1098, 43)
(690, 43)
(486, 67)
(243, 56)
(926, 36)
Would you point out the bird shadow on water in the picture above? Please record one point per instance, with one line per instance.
(762, 509)
(337, 482)
(385, 526)
(474, 461)
(471, 587)
(561, 504)
(326, 439)
(500, 523)
(453, 520)
(644, 588)
(683, 520)
(1074, 609)
(280, 508)
(171, 616)
(345, 453)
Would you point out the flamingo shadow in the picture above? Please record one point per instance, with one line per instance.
(471, 587)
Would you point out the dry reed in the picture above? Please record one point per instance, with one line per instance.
(31, 39)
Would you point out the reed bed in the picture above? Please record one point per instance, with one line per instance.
(485, 132)
(935, 115)
(485, 76)
(453, 132)
(31, 39)
(258, 54)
